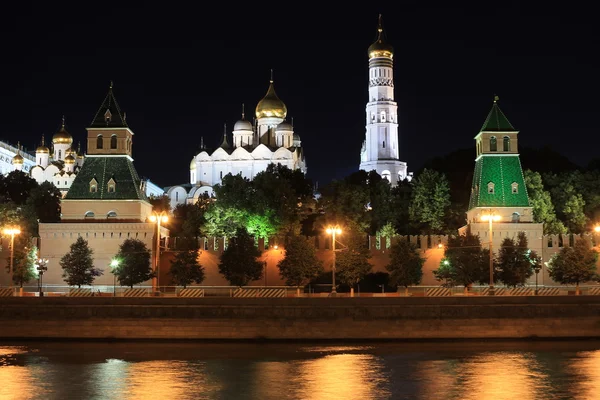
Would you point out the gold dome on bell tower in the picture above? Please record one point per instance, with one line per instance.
(380, 48)
(271, 105)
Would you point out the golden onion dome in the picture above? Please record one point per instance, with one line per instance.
(271, 105)
(62, 137)
(70, 152)
(69, 159)
(42, 149)
(380, 48)
(193, 164)
(17, 159)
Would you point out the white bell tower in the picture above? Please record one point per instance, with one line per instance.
(380, 150)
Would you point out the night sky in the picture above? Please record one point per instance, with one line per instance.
(181, 73)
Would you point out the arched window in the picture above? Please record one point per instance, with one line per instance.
(93, 185)
(383, 116)
(372, 117)
(59, 154)
(113, 142)
(493, 144)
(89, 214)
(506, 143)
(384, 144)
(491, 188)
(514, 188)
(387, 175)
(111, 186)
(516, 217)
(99, 142)
(111, 214)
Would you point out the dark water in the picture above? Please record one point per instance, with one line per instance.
(175, 370)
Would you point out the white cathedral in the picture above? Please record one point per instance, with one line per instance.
(271, 139)
(380, 150)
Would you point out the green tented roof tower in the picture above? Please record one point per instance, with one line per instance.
(498, 180)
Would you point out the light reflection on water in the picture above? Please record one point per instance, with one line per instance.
(187, 370)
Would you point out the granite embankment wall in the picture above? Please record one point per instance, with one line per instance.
(301, 318)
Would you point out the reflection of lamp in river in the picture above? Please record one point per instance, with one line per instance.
(491, 217)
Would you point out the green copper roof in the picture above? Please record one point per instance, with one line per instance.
(109, 114)
(496, 121)
(102, 169)
(502, 171)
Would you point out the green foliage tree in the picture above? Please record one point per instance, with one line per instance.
(45, 201)
(573, 265)
(464, 262)
(406, 265)
(352, 258)
(16, 186)
(160, 203)
(387, 231)
(78, 265)
(185, 268)
(348, 200)
(239, 262)
(568, 200)
(24, 265)
(300, 264)
(134, 263)
(430, 201)
(515, 261)
(541, 201)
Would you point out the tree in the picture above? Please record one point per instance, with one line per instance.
(78, 265)
(45, 200)
(352, 260)
(134, 263)
(17, 186)
(300, 263)
(160, 203)
(24, 263)
(239, 262)
(568, 200)
(541, 201)
(387, 231)
(464, 262)
(430, 200)
(574, 264)
(406, 265)
(186, 269)
(515, 261)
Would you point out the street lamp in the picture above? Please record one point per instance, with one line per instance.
(42, 267)
(491, 217)
(333, 230)
(12, 232)
(157, 218)
(114, 264)
(537, 267)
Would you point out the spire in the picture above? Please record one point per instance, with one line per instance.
(380, 48)
(243, 113)
(109, 114)
(271, 76)
(379, 29)
(43, 141)
(224, 144)
(201, 142)
(496, 121)
(19, 148)
(292, 122)
(78, 148)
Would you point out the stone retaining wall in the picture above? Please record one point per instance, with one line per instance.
(298, 318)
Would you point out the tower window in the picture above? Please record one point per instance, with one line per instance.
(99, 142)
(491, 188)
(383, 116)
(514, 188)
(516, 217)
(221, 175)
(113, 142)
(373, 116)
(93, 185)
(111, 185)
(506, 143)
(59, 154)
(384, 144)
(493, 144)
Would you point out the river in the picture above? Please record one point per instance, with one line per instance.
(200, 370)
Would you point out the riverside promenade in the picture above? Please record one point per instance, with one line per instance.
(394, 318)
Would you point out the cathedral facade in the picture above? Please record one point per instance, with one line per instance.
(270, 139)
(380, 149)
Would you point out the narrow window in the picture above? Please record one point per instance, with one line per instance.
(514, 188)
(491, 188)
(113, 142)
(221, 175)
(59, 154)
(176, 196)
(493, 145)
(372, 117)
(99, 142)
(383, 116)
(384, 144)
(506, 143)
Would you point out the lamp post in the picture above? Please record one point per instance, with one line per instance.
(114, 264)
(333, 230)
(537, 267)
(12, 232)
(157, 218)
(42, 267)
(491, 217)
